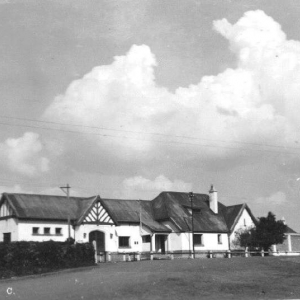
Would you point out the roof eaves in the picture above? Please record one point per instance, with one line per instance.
(237, 217)
(5, 196)
(255, 221)
(109, 211)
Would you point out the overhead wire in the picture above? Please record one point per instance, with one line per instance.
(164, 141)
(131, 131)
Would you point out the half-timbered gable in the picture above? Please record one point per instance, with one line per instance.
(6, 210)
(97, 215)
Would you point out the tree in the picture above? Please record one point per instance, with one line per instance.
(267, 232)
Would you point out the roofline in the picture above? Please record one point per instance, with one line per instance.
(81, 218)
(8, 217)
(244, 206)
(102, 201)
(45, 219)
(5, 196)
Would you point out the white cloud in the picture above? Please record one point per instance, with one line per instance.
(23, 155)
(275, 199)
(257, 102)
(11, 189)
(161, 183)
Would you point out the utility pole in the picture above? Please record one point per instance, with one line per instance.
(140, 218)
(191, 196)
(66, 190)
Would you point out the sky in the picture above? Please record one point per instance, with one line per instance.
(126, 99)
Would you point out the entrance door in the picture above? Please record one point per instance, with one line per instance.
(99, 237)
(160, 243)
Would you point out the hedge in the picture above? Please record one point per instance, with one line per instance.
(25, 258)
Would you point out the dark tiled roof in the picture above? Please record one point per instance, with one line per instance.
(231, 213)
(167, 206)
(47, 207)
(289, 230)
(129, 211)
(174, 206)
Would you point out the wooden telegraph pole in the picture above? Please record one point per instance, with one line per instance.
(191, 196)
(66, 190)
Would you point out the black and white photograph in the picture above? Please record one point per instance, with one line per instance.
(149, 149)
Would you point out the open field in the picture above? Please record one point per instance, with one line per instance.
(237, 278)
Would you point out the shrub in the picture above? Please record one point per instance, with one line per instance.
(23, 258)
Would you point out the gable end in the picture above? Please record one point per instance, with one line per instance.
(97, 215)
(6, 210)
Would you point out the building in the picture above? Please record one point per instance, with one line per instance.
(164, 224)
(290, 245)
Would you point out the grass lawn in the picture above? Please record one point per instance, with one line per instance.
(236, 278)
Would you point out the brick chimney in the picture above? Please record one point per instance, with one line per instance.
(213, 199)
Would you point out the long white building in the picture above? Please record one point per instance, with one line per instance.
(164, 224)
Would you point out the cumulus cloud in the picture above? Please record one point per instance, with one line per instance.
(24, 155)
(160, 183)
(11, 189)
(256, 102)
(275, 199)
(151, 188)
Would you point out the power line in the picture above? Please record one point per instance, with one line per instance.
(159, 141)
(131, 131)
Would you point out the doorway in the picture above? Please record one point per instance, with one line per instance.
(99, 237)
(160, 243)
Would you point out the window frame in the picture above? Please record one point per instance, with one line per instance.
(35, 230)
(200, 236)
(58, 231)
(146, 239)
(6, 237)
(124, 242)
(47, 229)
(220, 241)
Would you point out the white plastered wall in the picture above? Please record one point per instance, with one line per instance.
(25, 231)
(9, 226)
(244, 222)
(112, 234)
(210, 242)
(182, 241)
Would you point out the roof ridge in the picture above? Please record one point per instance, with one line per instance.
(47, 195)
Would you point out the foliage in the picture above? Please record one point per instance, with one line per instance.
(267, 232)
(22, 258)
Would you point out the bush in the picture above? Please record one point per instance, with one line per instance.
(24, 258)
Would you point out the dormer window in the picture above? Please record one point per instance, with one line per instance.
(195, 210)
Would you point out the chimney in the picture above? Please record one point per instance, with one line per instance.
(213, 199)
(283, 220)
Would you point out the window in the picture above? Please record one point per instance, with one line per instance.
(146, 238)
(35, 230)
(47, 230)
(198, 239)
(58, 231)
(84, 235)
(219, 239)
(245, 222)
(7, 237)
(124, 242)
